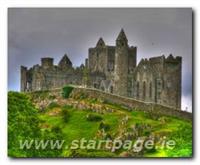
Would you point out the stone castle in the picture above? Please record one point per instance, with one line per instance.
(112, 69)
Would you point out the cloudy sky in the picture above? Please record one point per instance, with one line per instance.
(35, 33)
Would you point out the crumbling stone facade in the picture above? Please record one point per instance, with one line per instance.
(158, 80)
(49, 76)
(113, 69)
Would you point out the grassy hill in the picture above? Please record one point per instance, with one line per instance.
(79, 117)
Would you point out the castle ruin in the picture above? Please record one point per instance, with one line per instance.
(112, 69)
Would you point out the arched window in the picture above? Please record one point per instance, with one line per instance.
(144, 90)
(150, 89)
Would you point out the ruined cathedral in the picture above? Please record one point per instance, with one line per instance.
(112, 69)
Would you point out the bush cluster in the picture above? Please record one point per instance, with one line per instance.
(65, 114)
(66, 91)
(93, 117)
(104, 126)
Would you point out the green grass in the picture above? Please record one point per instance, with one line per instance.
(77, 126)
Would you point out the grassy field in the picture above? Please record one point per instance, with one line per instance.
(70, 123)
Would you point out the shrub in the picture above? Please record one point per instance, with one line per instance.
(56, 129)
(147, 132)
(66, 91)
(93, 117)
(108, 136)
(65, 114)
(39, 94)
(51, 97)
(53, 105)
(104, 126)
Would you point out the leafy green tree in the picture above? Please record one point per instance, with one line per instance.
(22, 123)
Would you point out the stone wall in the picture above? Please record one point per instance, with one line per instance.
(112, 69)
(158, 80)
(133, 104)
(48, 76)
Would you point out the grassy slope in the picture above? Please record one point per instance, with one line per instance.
(78, 127)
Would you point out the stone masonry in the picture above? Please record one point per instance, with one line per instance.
(112, 69)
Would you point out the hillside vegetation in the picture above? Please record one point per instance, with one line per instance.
(43, 115)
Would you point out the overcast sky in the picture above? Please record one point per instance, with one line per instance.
(36, 33)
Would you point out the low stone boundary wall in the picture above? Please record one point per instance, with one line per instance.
(132, 103)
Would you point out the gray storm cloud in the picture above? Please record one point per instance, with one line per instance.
(35, 33)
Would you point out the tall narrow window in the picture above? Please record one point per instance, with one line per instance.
(144, 90)
(111, 89)
(138, 87)
(95, 85)
(150, 89)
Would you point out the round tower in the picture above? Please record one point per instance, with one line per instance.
(121, 65)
